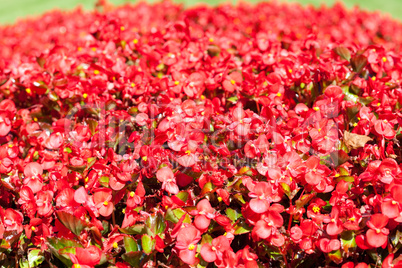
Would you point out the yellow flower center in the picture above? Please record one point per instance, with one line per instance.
(105, 203)
(233, 82)
(28, 90)
(115, 245)
(76, 265)
(176, 82)
(96, 72)
(384, 59)
(290, 71)
(352, 219)
(316, 108)
(188, 152)
(135, 41)
(144, 158)
(33, 228)
(85, 95)
(122, 28)
(377, 231)
(278, 94)
(191, 247)
(316, 209)
(132, 194)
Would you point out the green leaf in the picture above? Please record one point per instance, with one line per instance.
(241, 228)
(358, 63)
(208, 187)
(345, 178)
(104, 181)
(133, 258)
(176, 214)
(59, 243)
(169, 216)
(335, 256)
(397, 238)
(348, 240)
(92, 124)
(23, 263)
(206, 239)
(366, 100)
(233, 214)
(286, 188)
(233, 99)
(4, 245)
(304, 200)
(56, 244)
(110, 104)
(183, 196)
(135, 229)
(156, 224)
(343, 52)
(74, 224)
(35, 257)
(240, 198)
(11, 237)
(148, 243)
(130, 244)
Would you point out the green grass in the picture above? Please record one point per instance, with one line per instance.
(10, 10)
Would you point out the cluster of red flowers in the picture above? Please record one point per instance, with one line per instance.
(158, 136)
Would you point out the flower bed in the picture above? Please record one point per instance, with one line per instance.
(159, 136)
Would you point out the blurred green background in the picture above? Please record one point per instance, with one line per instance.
(10, 10)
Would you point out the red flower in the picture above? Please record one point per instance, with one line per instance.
(232, 81)
(241, 123)
(44, 203)
(27, 201)
(384, 129)
(377, 235)
(5, 124)
(327, 245)
(315, 172)
(12, 220)
(334, 226)
(262, 195)
(103, 201)
(187, 239)
(86, 257)
(268, 225)
(33, 176)
(214, 251)
(136, 198)
(166, 176)
(203, 215)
